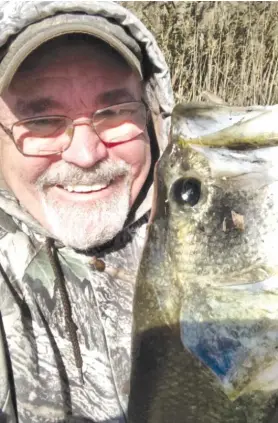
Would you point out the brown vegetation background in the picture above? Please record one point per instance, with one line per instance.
(227, 48)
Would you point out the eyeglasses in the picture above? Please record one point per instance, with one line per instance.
(46, 135)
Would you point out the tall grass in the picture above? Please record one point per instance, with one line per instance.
(227, 48)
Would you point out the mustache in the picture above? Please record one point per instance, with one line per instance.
(70, 174)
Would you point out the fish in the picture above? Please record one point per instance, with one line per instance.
(205, 320)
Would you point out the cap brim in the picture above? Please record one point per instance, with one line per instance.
(37, 34)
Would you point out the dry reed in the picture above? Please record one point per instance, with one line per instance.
(227, 48)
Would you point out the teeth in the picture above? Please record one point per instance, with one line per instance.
(84, 188)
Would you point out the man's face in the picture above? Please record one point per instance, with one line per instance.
(75, 82)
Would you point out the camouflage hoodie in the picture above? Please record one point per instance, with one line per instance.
(45, 287)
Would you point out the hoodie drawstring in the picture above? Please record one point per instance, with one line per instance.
(71, 327)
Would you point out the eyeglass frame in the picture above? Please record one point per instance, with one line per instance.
(9, 131)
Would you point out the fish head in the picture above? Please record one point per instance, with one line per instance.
(217, 193)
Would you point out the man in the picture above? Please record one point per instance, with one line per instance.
(84, 115)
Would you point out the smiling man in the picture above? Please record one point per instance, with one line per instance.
(81, 150)
(84, 114)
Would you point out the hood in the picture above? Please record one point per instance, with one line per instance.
(17, 15)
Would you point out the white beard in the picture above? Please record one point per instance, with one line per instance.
(84, 227)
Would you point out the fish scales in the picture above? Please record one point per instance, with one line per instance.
(205, 336)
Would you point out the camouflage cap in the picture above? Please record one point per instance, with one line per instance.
(38, 33)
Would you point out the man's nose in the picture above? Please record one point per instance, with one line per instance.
(86, 149)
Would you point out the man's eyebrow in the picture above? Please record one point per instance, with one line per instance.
(35, 106)
(115, 96)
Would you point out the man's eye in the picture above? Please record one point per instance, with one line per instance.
(108, 114)
(40, 123)
(126, 112)
(45, 126)
(112, 114)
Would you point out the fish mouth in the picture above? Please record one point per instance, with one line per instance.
(224, 126)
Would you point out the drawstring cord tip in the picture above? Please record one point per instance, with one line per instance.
(80, 374)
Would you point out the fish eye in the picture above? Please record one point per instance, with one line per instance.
(186, 191)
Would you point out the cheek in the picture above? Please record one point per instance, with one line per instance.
(21, 172)
(136, 153)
